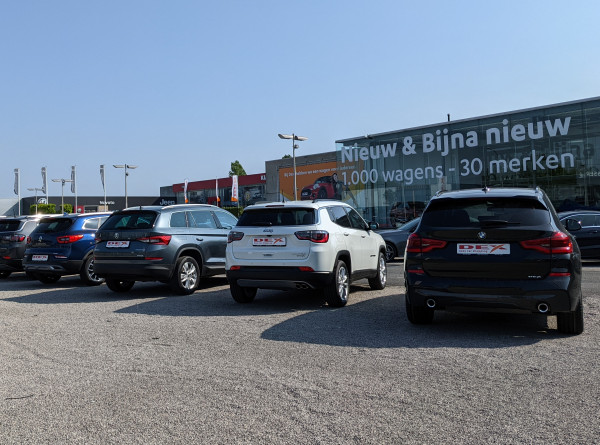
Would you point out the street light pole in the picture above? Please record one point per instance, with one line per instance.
(294, 138)
(125, 167)
(62, 193)
(36, 200)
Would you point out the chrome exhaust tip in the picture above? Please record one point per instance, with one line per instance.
(430, 303)
(543, 308)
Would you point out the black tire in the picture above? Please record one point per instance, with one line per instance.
(119, 285)
(48, 278)
(31, 275)
(5, 274)
(87, 273)
(571, 323)
(336, 293)
(322, 194)
(378, 282)
(242, 294)
(186, 277)
(416, 314)
(390, 252)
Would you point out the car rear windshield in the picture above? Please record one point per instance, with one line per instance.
(283, 216)
(485, 212)
(130, 220)
(53, 225)
(10, 225)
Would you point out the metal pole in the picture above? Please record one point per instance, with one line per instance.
(126, 205)
(294, 160)
(62, 197)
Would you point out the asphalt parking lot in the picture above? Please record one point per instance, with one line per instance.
(85, 365)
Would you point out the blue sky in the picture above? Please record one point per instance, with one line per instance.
(183, 88)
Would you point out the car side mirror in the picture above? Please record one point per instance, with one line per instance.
(373, 225)
(572, 225)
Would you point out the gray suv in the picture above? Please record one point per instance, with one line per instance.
(175, 244)
(13, 242)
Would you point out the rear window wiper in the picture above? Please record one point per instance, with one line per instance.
(498, 222)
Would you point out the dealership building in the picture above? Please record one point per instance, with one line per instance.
(553, 147)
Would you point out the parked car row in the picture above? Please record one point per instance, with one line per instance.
(500, 249)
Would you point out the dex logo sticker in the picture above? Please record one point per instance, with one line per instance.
(483, 249)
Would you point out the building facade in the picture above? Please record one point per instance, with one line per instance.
(555, 147)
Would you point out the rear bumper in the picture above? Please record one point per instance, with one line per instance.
(279, 278)
(136, 270)
(11, 265)
(560, 294)
(68, 267)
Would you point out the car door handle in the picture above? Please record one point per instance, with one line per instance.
(346, 234)
(199, 239)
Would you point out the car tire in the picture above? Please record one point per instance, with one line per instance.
(416, 314)
(186, 277)
(87, 273)
(336, 293)
(571, 323)
(322, 194)
(242, 294)
(390, 252)
(378, 282)
(5, 274)
(119, 285)
(31, 275)
(48, 278)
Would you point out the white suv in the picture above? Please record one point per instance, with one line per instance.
(321, 245)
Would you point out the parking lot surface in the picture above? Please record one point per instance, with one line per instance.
(85, 365)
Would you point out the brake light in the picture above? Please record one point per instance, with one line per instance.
(28, 240)
(557, 243)
(418, 244)
(234, 236)
(68, 239)
(158, 240)
(18, 238)
(315, 236)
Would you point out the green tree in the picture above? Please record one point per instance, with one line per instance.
(286, 156)
(237, 169)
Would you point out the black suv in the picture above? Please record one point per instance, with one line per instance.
(175, 244)
(501, 249)
(13, 242)
(63, 245)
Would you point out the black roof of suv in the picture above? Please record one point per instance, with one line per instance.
(175, 244)
(493, 249)
(13, 242)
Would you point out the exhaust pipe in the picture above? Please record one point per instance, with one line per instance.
(430, 303)
(543, 308)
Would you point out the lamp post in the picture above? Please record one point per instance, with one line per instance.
(36, 201)
(62, 193)
(126, 167)
(294, 138)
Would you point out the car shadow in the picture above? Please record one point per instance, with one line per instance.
(382, 323)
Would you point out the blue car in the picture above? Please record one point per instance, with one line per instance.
(64, 245)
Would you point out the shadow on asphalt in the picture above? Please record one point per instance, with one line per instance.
(378, 322)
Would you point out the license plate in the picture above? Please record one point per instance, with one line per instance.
(39, 257)
(483, 249)
(117, 244)
(269, 241)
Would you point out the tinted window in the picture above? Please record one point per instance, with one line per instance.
(52, 225)
(9, 225)
(587, 220)
(178, 220)
(277, 217)
(203, 219)
(227, 220)
(130, 220)
(94, 223)
(339, 216)
(356, 220)
(483, 212)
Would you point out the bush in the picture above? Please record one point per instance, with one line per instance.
(42, 209)
(237, 211)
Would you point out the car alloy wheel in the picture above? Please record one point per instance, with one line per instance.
(186, 277)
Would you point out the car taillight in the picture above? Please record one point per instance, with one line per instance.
(234, 236)
(28, 240)
(557, 243)
(68, 239)
(159, 240)
(418, 244)
(316, 236)
(18, 238)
